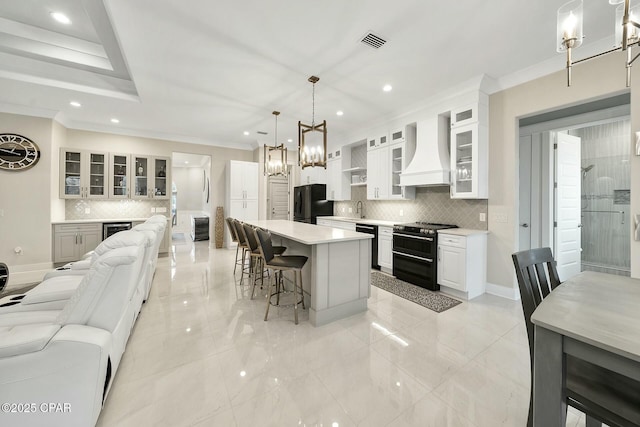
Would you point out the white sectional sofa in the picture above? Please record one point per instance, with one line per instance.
(66, 351)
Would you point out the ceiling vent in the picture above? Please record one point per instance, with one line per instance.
(261, 132)
(373, 40)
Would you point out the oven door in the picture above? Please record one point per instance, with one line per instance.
(421, 246)
(418, 270)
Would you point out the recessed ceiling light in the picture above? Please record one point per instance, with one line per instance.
(339, 113)
(114, 120)
(75, 104)
(186, 162)
(246, 132)
(289, 140)
(61, 18)
(387, 88)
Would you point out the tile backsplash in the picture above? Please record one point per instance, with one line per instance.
(431, 204)
(113, 209)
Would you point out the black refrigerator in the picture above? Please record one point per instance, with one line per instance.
(309, 202)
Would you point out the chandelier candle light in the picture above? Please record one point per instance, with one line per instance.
(275, 157)
(569, 31)
(312, 139)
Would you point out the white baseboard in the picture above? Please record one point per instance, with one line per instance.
(29, 273)
(503, 291)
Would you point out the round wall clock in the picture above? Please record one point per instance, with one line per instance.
(17, 153)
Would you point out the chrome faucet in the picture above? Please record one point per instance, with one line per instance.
(359, 208)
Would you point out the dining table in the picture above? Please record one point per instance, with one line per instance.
(592, 316)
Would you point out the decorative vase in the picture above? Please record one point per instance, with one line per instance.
(219, 226)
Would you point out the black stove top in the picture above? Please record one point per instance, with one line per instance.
(422, 227)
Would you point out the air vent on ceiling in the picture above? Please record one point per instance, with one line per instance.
(261, 132)
(373, 40)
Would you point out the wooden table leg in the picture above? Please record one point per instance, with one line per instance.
(549, 405)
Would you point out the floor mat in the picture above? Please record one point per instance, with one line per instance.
(432, 300)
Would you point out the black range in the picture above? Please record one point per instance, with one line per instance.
(415, 248)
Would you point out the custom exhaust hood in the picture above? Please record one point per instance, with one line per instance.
(430, 165)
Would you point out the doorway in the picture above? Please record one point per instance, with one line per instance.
(278, 197)
(190, 193)
(574, 190)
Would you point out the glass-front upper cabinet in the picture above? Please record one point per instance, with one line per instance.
(83, 174)
(97, 175)
(120, 173)
(469, 162)
(141, 181)
(160, 177)
(70, 187)
(151, 177)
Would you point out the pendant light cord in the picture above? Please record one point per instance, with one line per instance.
(313, 106)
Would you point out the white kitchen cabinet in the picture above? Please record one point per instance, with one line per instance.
(242, 179)
(71, 241)
(379, 176)
(242, 192)
(338, 178)
(83, 174)
(152, 177)
(385, 248)
(313, 175)
(469, 150)
(119, 175)
(397, 163)
(469, 162)
(378, 141)
(462, 264)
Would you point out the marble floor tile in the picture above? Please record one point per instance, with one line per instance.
(201, 354)
(430, 411)
(370, 388)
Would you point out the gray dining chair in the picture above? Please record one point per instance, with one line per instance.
(603, 395)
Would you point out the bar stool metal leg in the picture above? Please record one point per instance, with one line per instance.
(295, 298)
(269, 293)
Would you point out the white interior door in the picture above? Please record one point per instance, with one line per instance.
(278, 198)
(567, 202)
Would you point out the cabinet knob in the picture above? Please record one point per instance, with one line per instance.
(525, 225)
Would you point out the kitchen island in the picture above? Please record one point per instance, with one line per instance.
(337, 277)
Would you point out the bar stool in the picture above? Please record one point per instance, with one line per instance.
(242, 242)
(234, 239)
(256, 258)
(281, 263)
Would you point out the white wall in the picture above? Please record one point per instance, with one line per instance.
(190, 189)
(595, 79)
(25, 198)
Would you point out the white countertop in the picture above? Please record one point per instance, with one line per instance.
(462, 231)
(370, 221)
(308, 234)
(97, 221)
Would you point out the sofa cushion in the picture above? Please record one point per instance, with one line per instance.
(106, 290)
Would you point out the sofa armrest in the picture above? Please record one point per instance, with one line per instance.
(15, 340)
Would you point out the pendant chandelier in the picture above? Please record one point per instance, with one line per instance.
(275, 157)
(312, 139)
(627, 34)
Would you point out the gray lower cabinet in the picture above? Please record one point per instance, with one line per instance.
(71, 241)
